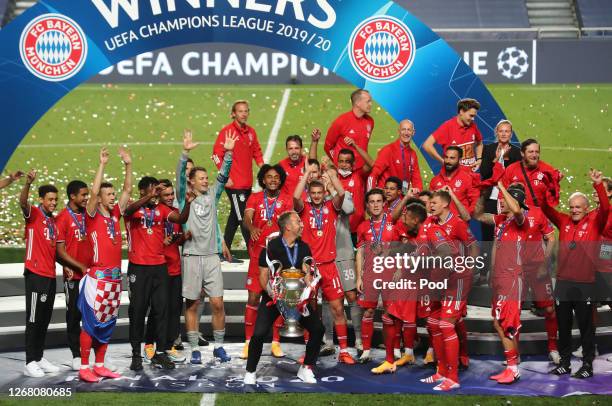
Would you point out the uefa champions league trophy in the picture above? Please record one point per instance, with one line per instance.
(291, 294)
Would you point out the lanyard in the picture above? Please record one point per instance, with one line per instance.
(149, 220)
(292, 258)
(395, 203)
(50, 223)
(404, 164)
(378, 237)
(81, 226)
(169, 228)
(110, 224)
(269, 207)
(318, 216)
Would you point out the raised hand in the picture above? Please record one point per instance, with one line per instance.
(16, 175)
(104, 155)
(125, 155)
(31, 176)
(188, 143)
(596, 176)
(189, 196)
(230, 140)
(316, 134)
(157, 190)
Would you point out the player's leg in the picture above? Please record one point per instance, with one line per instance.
(388, 366)
(437, 342)
(367, 330)
(191, 291)
(328, 338)
(312, 324)
(408, 331)
(451, 352)
(139, 284)
(47, 299)
(73, 321)
(159, 305)
(175, 306)
(242, 199)
(511, 373)
(149, 337)
(85, 373)
(254, 297)
(99, 368)
(346, 272)
(584, 309)
(336, 308)
(265, 318)
(213, 288)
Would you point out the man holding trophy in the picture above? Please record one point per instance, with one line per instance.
(289, 260)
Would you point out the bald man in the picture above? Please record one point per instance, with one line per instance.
(398, 159)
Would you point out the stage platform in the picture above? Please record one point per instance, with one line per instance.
(279, 375)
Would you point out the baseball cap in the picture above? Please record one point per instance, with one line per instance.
(519, 195)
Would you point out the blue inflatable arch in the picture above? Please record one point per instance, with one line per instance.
(375, 44)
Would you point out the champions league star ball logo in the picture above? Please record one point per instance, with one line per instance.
(513, 63)
(382, 49)
(53, 47)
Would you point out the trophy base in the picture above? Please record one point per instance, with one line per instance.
(291, 329)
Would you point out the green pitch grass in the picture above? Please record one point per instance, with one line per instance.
(572, 123)
(304, 399)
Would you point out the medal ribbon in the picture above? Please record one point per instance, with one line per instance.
(169, 228)
(318, 216)
(269, 207)
(81, 226)
(50, 223)
(110, 224)
(149, 220)
(378, 237)
(292, 258)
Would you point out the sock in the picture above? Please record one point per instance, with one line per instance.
(100, 350)
(512, 359)
(219, 336)
(356, 315)
(451, 349)
(550, 322)
(462, 335)
(437, 341)
(397, 340)
(408, 333)
(193, 338)
(389, 337)
(342, 333)
(85, 342)
(278, 324)
(367, 329)
(328, 323)
(250, 315)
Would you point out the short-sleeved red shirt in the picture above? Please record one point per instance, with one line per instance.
(510, 238)
(322, 242)
(104, 235)
(283, 203)
(41, 237)
(466, 138)
(294, 171)
(172, 252)
(70, 233)
(390, 232)
(147, 247)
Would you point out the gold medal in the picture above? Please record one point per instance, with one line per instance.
(320, 233)
(150, 231)
(269, 223)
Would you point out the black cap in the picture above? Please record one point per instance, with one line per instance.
(519, 195)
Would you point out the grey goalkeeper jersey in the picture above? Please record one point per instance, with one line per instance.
(202, 222)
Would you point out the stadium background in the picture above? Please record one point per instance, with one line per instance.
(546, 63)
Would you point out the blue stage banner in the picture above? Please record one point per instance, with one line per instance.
(374, 44)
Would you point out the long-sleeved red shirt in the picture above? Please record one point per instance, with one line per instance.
(246, 150)
(464, 186)
(544, 181)
(390, 163)
(579, 241)
(349, 125)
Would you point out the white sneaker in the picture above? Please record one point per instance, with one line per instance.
(359, 345)
(48, 367)
(33, 370)
(76, 364)
(609, 359)
(306, 375)
(554, 357)
(250, 378)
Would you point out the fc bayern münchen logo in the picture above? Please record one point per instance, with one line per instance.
(53, 47)
(382, 49)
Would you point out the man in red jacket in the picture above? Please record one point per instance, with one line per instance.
(400, 160)
(579, 234)
(356, 125)
(543, 178)
(240, 181)
(460, 180)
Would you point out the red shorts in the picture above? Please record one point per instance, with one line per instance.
(508, 314)
(541, 289)
(404, 310)
(330, 284)
(252, 282)
(454, 302)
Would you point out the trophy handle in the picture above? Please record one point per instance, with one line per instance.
(312, 264)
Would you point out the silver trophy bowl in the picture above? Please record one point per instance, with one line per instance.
(287, 287)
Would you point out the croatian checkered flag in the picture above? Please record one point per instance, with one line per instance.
(99, 300)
